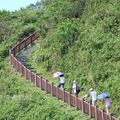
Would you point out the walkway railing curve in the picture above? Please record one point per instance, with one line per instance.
(42, 83)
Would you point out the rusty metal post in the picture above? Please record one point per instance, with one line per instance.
(26, 74)
(46, 88)
(41, 83)
(21, 68)
(52, 89)
(64, 95)
(15, 63)
(57, 93)
(17, 69)
(69, 98)
(82, 106)
(35, 80)
(110, 116)
(30, 75)
(90, 110)
(76, 102)
(103, 117)
(96, 113)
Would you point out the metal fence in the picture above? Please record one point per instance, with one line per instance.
(42, 83)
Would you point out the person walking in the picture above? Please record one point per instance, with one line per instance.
(62, 81)
(75, 88)
(107, 104)
(93, 94)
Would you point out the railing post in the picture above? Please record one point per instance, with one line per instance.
(15, 64)
(35, 80)
(82, 106)
(96, 113)
(18, 66)
(90, 110)
(41, 83)
(29, 75)
(25, 71)
(64, 95)
(21, 68)
(103, 117)
(76, 101)
(52, 89)
(57, 93)
(69, 98)
(110, 116)
(46, 81)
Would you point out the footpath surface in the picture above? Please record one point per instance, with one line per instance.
(24, 55)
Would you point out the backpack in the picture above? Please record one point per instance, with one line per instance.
(77, 88)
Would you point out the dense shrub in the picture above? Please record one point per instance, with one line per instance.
(83, 41)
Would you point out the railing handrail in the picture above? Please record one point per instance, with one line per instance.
(42, 83)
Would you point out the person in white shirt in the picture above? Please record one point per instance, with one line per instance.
(93, 94)
(62, 81)
(74, 87)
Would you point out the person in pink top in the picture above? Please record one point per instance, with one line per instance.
(107, 104)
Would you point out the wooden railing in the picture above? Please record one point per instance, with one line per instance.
(42, 83)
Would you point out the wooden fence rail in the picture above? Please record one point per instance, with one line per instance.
(42, 83)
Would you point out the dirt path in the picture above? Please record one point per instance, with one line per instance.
(23, 56)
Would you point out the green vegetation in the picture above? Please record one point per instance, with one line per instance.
(79, 37)
(19, 99)
(82, 39)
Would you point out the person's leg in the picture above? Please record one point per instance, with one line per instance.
(59, 85)
(93, 103)
(76, 93)
(62, 85)
(107, 110)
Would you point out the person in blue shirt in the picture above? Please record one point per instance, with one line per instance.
(93, 94)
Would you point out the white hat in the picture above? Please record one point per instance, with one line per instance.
(91, 89)
(74, 81)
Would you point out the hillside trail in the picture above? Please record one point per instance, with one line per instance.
(23, 57)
